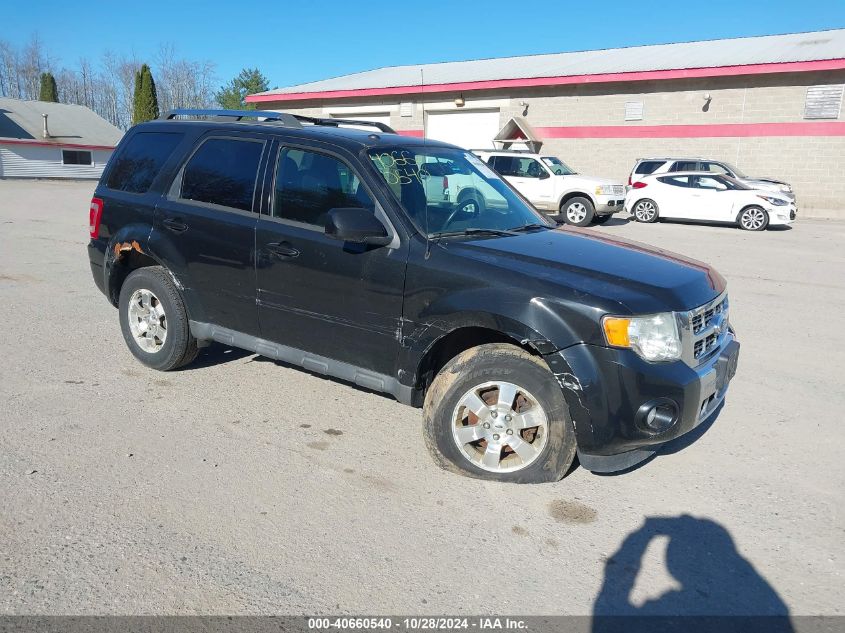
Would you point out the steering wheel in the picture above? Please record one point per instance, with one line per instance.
(469, 206)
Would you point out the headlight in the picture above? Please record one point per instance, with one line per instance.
(655, 337)
(778, 202)
(604, 190)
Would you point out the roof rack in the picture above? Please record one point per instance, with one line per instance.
(284, 118)
(338, 122)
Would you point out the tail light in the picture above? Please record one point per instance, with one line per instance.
(94, 216)
(639, 185)
(445, 183)
(629, 180)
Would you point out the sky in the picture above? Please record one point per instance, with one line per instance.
(297, 42)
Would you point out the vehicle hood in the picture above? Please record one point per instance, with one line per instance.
(589, 181)
(767, 184)
(613, 274)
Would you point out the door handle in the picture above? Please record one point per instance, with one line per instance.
(282, 249)
(175, 225)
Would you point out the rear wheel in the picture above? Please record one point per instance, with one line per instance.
(154, 321)
(496, 412)
(577, 211)
(753, 219)
(646, 211)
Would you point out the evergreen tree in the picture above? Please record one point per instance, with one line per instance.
(145, 102)
(49, 90)
(232, 96)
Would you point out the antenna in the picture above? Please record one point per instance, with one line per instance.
(425, 140)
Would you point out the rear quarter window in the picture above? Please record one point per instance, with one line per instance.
(139, 162)
(648, 166)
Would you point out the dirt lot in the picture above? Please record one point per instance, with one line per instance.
(243, 486)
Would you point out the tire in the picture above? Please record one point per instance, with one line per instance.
(602, 219)
(537, 397)
(646, 210)
(753, 218)
(158, 335)
(577, 211)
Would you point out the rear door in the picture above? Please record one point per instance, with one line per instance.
(334, 299)
(529, 177)
(208, 220)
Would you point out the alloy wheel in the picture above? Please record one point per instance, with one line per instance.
(753, 219)
(576, 212)
(147, 320)
(500, 427)
(645, 211)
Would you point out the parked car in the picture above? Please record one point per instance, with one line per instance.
(707, 198)
(652, 166)
(551, 186)
(297, 239)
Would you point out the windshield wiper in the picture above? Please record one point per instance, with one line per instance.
(476, 231)
(533, 225)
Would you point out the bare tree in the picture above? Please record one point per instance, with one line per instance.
(182, 83)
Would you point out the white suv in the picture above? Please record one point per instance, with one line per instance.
(553, 187)
(654, 166)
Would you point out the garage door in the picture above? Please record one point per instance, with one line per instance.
(373, 118)
(469, 129)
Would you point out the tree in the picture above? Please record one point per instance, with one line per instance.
(49, 90)
(233, 95)
(145, 104)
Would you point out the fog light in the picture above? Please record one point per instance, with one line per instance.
(657, 416)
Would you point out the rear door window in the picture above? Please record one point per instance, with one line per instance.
(140, 160)
(223, 171)
(648, 166)
(685, 165)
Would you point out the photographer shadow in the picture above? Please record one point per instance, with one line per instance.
(717, 589)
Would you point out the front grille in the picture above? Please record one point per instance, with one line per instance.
(618, 190)
(704, 330)
(704, 319)
(704, 345)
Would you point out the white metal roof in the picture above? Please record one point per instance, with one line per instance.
(793, 47)
(67, 124)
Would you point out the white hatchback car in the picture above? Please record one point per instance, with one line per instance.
(707, 198)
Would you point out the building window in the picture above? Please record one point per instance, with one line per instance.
(76, 157)
(633, 110)
(823, 102)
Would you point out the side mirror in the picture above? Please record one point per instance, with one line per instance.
(356, 225)
(544, 174)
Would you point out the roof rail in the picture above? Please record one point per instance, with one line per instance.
(284, 118)
(338, 122)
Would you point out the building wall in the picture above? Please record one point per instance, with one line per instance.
(39, 161)
(814, 165)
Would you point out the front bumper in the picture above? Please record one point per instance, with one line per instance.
(606, 389)
(782, 215)
(607, 205)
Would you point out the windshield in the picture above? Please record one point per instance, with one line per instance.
(558, 167)
(447, 190)
(736, 172)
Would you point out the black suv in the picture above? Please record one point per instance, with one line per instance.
(329, 247)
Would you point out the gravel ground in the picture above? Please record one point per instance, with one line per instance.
(244, 486)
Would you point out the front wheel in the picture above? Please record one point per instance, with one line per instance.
(753, 219)
(578, 211)
(646, 211)
(496, 412)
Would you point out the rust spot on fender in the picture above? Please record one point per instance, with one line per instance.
(122, 248)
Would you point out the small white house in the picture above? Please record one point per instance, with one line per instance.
(39, 139)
